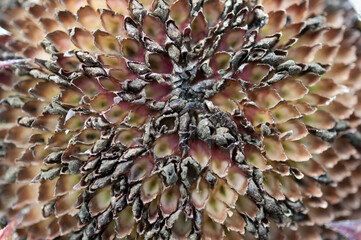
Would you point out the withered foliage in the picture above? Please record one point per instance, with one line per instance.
(215, 119)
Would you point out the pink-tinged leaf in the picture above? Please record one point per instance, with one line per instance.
(7, 232)
(348, 228)
(7, 63)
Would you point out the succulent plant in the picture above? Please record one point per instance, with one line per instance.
(186, 119)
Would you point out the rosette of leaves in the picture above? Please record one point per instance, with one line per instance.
(215, 119)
